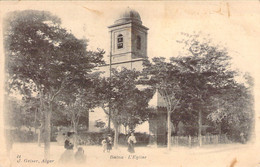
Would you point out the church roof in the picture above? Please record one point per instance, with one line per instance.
(129, 15)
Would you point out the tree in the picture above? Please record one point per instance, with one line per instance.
(190, 81)
(206, 71)
(41, 53)
(120, 95)
(233, 110)
(19, 113)
(165, 78)
(77, 101)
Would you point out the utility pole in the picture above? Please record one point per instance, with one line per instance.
(110, 68)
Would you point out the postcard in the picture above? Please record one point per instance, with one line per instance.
(130, 83)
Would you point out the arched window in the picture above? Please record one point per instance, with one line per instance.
(120, 41)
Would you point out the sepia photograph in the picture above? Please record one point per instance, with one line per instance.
(130, 83)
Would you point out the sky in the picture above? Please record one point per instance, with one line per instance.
(235, 25)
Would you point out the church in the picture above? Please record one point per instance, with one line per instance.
(128, 49)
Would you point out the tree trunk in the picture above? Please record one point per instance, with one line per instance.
(39, 138)
(176, 127)
(200, 127)
(87, 121)
(219, 129)
(169, 130)
(76, 134)
(116, 135)
(47, 132)
(41, 119)
(35, 116)
(40, 135)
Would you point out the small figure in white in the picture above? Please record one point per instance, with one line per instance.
(243, 140)
(131, 141)
(104, 144)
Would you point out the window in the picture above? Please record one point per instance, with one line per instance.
(120, 41)
(138, 42)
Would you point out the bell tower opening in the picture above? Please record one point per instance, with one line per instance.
(120, 41)
(138, 43)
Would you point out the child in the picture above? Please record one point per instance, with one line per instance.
(104, 144)
(79, 156)
(109, 143)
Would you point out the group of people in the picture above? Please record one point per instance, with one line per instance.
(68, 155)
(107, 143)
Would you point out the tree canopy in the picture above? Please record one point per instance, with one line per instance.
(120, 94)
(45, 58)
(196, 81)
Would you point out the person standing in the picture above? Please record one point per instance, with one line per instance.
(109, 143)
(68, 155)
(68, 144)
(131, 141)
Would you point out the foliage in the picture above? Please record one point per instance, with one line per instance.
(45, 58)
(99, 123)
(205, 69)
(77, 101)
(210, 85)
(23, 135)
(233, 110)
(22, 113)
(200, 84)
(165, 77)
(92, 138)
(38, 50)
(127, 104)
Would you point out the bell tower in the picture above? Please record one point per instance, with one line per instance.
(128, 48)
(128, 40)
